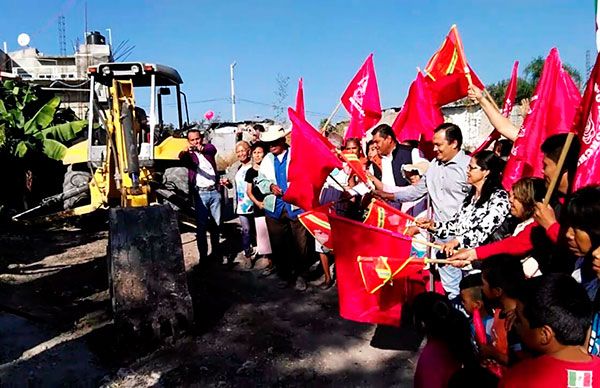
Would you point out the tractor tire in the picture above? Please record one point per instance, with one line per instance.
(73, 179)
(175, 180)
(148, 282)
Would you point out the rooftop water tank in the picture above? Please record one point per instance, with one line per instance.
(95, 37)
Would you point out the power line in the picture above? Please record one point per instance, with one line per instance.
(253, 102)
(312, 113)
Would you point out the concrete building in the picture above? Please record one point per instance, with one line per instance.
(66, 75)
(469, 117)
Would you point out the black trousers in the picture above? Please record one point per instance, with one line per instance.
(292, 245)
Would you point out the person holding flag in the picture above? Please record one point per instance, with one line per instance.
(446, 184)
(291, 243)
(483, 211)
(393, 157)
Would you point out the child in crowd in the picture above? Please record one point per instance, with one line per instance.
(471, 295)
(448, 345)
(553, 318)
(490, 339)
(502, 276)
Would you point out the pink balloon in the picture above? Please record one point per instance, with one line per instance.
(209, 115)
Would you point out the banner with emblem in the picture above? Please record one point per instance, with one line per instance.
(552, 111)
(361, 100)
(382, 215)
(587, 126)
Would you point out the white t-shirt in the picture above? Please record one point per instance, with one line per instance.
(205, 175)
(387, 172)
(244, 203)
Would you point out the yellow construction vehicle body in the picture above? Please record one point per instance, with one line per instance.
(112, 177)
(168, 149)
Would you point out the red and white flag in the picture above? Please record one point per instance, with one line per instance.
(587, 127)
(361, 100)
(552, 111)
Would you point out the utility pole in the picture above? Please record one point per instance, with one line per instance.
(109, 30)
(233, 119)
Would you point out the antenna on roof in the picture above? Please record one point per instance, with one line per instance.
(62, 41)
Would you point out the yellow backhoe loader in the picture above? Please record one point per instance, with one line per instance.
(125, 165)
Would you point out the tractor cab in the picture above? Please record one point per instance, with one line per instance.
(153, 87)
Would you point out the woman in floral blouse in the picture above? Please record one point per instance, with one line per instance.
(484, 209)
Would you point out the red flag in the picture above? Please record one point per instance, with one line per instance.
(300, 100)
(419, 115)
(361, 100)
(352, 239)
(316, 222)
(552, 110)
(479, 328)
(312, 158)
(587, 126)
(356, 165)
(382, 215)
(448, 72)
(509, 100)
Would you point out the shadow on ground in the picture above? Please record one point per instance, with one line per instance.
(247, 332)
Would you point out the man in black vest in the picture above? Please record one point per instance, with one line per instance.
(393, 156)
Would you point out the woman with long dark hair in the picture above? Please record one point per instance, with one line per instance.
(484, 209)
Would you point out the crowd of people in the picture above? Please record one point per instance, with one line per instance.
(520, 305)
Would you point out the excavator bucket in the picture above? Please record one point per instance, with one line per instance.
(147, 276)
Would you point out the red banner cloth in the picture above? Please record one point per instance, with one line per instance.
(382, 215)
(447, 71)
(300, 100)
(552, 111)
(377, 272)
(312, 159)
(419, 115)
(356, 165)
(587, 126)
(509, 101)
(352, 239)
(361, 100)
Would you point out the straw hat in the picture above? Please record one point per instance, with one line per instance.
(274, 132)
(420, 167)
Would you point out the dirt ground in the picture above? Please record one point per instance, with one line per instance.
(57, 330)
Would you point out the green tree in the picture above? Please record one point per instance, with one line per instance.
(531, 76)
(29, 124)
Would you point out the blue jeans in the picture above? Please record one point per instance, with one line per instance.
(246, 222)
(451, 277)
(208, 207)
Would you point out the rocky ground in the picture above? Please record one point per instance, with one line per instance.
(57, 330)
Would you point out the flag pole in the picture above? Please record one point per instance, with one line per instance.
(432, 245)
(337, 107)
(559, 166)
(416, 259)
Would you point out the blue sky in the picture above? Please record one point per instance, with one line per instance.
(322, 41)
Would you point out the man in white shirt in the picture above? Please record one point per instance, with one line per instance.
(199, 158)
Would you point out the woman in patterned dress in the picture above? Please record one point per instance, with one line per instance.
(484, 209)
